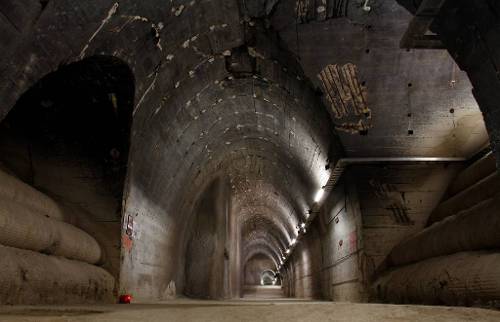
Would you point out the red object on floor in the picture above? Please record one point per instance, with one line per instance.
(125, 299)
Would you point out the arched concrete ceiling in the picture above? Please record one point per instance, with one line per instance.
(260, 228)
(230, 88)
(216, 96)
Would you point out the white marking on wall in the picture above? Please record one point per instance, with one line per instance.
(111, 12)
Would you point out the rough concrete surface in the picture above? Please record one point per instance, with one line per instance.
(187, 137)
(283, 310)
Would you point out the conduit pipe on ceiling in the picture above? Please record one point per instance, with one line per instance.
(339, 169)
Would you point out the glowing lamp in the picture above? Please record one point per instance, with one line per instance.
(319, 195)
(125, 299)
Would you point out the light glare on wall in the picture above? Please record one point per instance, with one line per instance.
(287, 251)
(319, 195)
(293, 241)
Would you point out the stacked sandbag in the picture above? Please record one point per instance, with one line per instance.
(44, 259)
(455, 260)
(29, 277)
(15, 190)
(477, 228)
(467, 278)
(478, 182)
(23, 227)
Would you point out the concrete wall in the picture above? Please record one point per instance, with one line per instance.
(305, 280)
(206, 258)
(370, 211)
(342, 244)
(396, 202)
(328, 262)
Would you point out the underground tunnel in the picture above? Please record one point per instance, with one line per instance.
(208, 160)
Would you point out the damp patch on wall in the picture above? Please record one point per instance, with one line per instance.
(320, 10)
(347, 97)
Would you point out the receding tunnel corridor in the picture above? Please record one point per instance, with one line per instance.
(229, 160)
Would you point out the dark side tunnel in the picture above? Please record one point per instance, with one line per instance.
(224, 149)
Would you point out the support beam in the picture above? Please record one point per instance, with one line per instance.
(417, 36)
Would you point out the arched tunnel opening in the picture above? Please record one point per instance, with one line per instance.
(268, 277)
(63, 156)
(200, 160)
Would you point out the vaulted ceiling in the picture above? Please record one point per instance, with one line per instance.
(265, 92)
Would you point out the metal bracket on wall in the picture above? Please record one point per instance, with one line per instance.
(342, 164)
(417, 35)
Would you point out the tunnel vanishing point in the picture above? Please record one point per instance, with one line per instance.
(247, 151)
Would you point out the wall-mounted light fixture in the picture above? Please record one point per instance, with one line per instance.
(319, 195)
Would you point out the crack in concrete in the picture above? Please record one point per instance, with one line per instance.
(111, 12)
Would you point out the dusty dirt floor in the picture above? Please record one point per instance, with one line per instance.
(257, 310)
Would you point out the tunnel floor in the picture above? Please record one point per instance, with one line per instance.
(244, 310)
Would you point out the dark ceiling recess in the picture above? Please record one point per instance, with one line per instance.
(418, 34)
(44, 3)
(81, 111)
(410, 5)
(86, 104)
